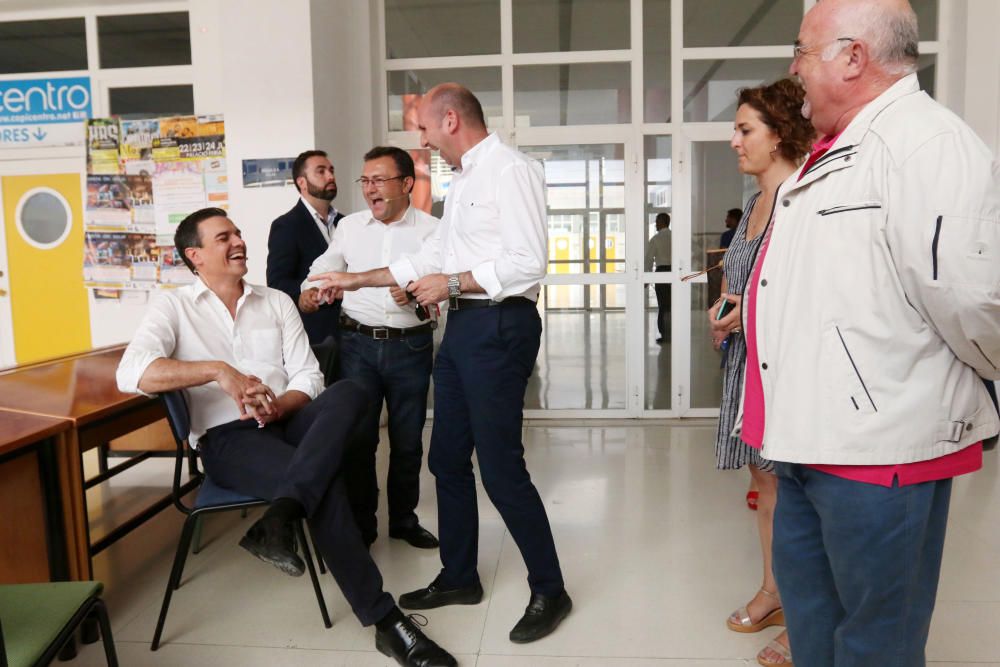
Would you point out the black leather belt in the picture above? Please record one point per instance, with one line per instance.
(384, 333)
(465, 304)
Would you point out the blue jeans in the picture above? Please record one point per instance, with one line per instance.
(857, 566)
(398, 371)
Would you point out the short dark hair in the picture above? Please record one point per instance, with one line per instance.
(300, 164)
(735, 213)
(780, 107)
(187, 234)
(404, 163)
(460, 99)
(663, 215)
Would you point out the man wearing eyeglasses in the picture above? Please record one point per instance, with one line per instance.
(301, 235)
(385, 347)
(872, 319)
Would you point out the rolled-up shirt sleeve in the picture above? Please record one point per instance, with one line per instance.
(155, 339)
(427, 260)
(300, 362)
(523, 233)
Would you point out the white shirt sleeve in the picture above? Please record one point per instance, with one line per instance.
(331, 260)
(300, 362)
(523, 233)
(155, 339)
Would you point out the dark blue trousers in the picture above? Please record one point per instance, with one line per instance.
(857, 566)
(301, 458)
(398, 371)
(480, 376)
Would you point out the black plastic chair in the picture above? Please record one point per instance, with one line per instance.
(991, 443)
(328, 355)
(40, 621)
(211, 499)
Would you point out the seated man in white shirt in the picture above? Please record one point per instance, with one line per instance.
(386, 348)
(261, 420)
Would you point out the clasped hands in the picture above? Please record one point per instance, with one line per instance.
(731, 322)
(254, 399)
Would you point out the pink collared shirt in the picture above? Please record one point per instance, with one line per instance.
(969, 459)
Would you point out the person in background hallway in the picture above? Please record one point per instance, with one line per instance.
(733, 217)
(658, 259)
(384, 347)
(301, 235)
(872, 316)
(770, 138)
(486, 258)
(261, 420)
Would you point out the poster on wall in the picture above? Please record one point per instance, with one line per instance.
(144, 177)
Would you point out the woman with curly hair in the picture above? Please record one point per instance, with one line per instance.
(770, 139)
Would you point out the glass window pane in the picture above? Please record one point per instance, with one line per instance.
(144, 101)
(579, 94)
(716, 186)
(927, 16)
(44, 218)
(710, 86)
(927, 73)
(657, 351)
(42, 46)
(581, 361)
(144, 40)
(585, 199)
(656, 60)
(406, 87)
(424, 28)
(570, 25)
(746, 23)
(706, 363)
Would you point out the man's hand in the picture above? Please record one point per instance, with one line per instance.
(431, 289)
(337, 280)
(261, 404)
(309, 300)
(237, 385)
(399, 295)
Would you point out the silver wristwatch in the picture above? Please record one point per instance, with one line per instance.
(454, 291)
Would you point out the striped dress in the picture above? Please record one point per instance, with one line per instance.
(732, 453)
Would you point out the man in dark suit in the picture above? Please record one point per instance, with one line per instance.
(298, 237)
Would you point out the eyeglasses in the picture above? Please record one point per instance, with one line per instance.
(801, 50)
(378, 181)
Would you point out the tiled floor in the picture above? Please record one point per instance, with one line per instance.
(657, 549)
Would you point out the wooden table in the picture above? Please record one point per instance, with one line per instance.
(82, 391)
(34, 535)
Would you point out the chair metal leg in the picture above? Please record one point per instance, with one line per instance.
(319, 556)
(300, 534)
(175, 577)
(196, 540)
(110, 654)
(68, 650)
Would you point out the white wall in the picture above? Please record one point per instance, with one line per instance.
(981, 99)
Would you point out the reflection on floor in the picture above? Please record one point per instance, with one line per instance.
(657, 547)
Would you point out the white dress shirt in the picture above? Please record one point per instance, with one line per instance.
(326, 226)
(190, 323)
(494, 225)
(361, 243)
(658, 250)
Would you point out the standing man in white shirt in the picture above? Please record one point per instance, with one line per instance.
(658, 259)
(301, 235)
(486, 259)
(385, 347)
(261, 421)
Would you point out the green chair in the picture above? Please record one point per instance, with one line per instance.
(37, 620)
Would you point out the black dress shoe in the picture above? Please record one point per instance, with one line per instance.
(273, 542)
(543, 615)
(434, 596)
(407, 645)
(416, 535)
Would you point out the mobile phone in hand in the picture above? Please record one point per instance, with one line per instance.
(724, 309)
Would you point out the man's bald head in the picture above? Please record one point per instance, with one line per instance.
(459, 99)
(888, 27)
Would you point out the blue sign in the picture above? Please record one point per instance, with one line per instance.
(34, 101)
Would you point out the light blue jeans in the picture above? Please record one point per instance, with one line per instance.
(857, 566)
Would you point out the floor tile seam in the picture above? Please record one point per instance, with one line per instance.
(253, 647)
(657, 658)
(493, 590)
